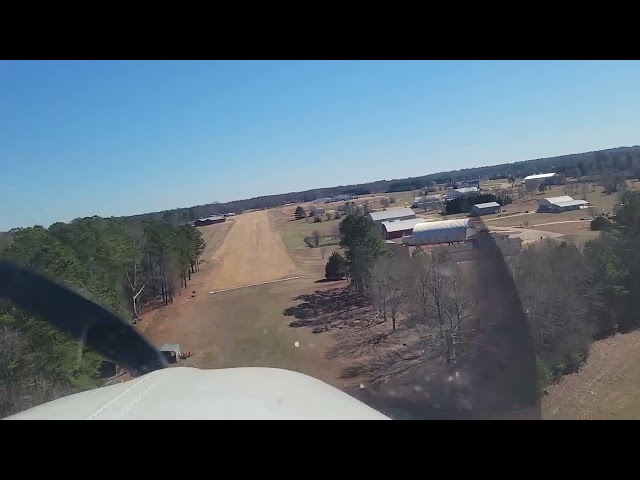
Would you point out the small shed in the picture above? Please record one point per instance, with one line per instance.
(213, 219)
(488, 208)
(171, 352)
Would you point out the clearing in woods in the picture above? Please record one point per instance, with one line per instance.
(244, 327)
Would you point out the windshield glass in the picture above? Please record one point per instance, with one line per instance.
(458, 240)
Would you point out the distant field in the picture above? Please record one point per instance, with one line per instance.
(293, 231)
(576, 232)
(498, 184)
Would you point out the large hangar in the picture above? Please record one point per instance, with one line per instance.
(445, 231)
(559, 204)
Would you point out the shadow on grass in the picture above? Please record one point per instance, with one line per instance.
(326, 310)
(402, 372)
(325, 280)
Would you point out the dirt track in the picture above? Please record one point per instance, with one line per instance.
(244, 327)
(252, 252)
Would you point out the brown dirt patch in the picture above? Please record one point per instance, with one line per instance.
(251, 253)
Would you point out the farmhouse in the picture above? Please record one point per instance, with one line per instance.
(317, 210)
(485, 209)
(532, 181)
(399, 228)
(445, 231)
(342, 198)
(209, 220)
(562, 203)
(461, 192)
(429, 201)
(393, 214)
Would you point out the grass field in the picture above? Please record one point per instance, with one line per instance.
(293, 231)
(606, 388)
(573, 231)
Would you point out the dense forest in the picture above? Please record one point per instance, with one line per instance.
(121, 265)
(623, 159)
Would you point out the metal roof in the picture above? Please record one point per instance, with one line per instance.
(212, 217)
(487, 205)
(559, 199)
(571, 203)
(538, 176)
(390, 214)
(401, 224)
(441, 225)
(466, 189)
(428, 198)
(170, 347)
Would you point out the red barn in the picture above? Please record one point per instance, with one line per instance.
(399, 228)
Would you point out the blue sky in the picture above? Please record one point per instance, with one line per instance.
(119, 138)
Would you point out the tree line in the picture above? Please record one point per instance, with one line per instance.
(623, 160)
(121, 265)
(570, 296)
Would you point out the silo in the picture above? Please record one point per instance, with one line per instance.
(430, 233)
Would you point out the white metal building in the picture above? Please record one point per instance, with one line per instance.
(570, 205)
(534, 180)
(428, 201)
(460, 192)
(546, 204)
(392, 214)
(342, 198)
(485, 209)
(431, 233)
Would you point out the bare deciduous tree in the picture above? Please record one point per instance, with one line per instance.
(335, 232)
(390, 280)
(439, 301)
(315, 237)
(583, 190)
(530, 187)
(555, 291)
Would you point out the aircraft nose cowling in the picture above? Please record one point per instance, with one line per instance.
(184, 393)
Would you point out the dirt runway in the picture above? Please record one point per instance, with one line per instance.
(243, 327)
(251, 253)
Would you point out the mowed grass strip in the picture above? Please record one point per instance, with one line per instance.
(294, 231)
